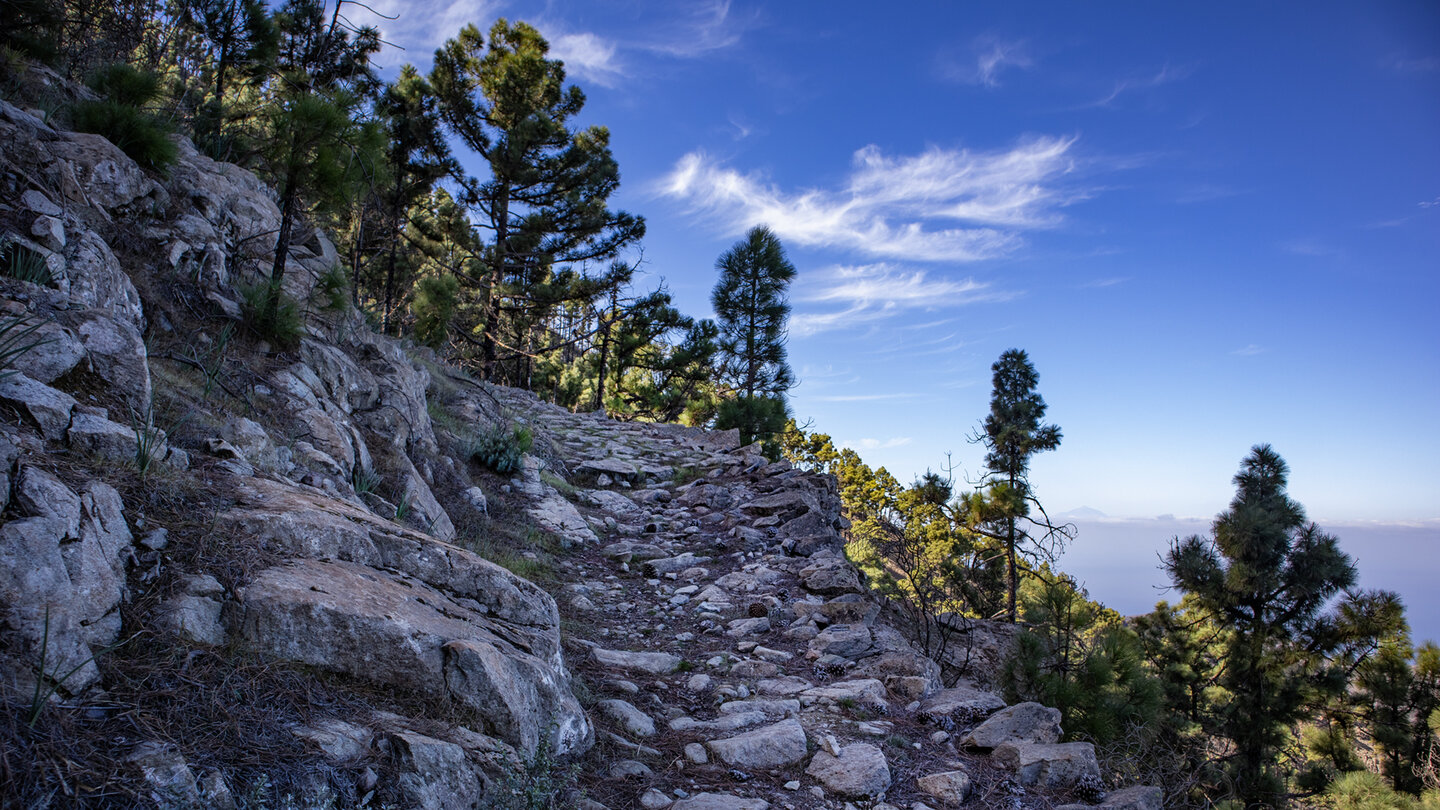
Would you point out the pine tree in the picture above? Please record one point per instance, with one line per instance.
(543, 203)
(1013, 432)
(237, 40)
(1266, 577)
(416, 158)
(1399, 688)
(318, 147)
(658, 376)
(751, 309)
(1077, 656)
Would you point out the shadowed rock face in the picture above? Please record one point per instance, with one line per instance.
(380, 603)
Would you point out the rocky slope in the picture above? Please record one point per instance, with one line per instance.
(232, 576)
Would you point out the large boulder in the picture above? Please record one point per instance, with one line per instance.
(859, 772)
(380, 602)
(434, 774)
(849, 641)
(773, 746)
(1021, 723)
(393, 629)
(39, 404)
(57, 350)
(1052, 765)
(950, 788)
(830, 575)
(62, 579)
(117, 355)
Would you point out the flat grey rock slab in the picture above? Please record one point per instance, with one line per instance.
(859, 772)
(635, 722)
(1049, 765)
(867, 692)
(773, 746)
(962, 704)
(950, 788)
(719, 801)
(649, 663)
(1021, 723)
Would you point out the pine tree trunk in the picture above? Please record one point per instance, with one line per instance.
(1012, 579)
(491, 319)
(282, 245)
(394, 251)
(604, 353)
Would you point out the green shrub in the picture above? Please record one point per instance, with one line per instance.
(1079, 658)
(285, 328)
(137, 134)
(119, 117)
(434, 306)
(545, 782)
(500, 448)
(126, 85)
(333, 289)
(1362, 790)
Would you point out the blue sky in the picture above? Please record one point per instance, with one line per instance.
(1210, 225)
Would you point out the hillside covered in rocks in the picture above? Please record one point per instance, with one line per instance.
(236, 574)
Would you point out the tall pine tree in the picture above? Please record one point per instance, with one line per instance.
(543, 203)
(1266, 576)
(751, 309)
(1006, 509)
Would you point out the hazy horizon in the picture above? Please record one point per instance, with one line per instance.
(1118, 560)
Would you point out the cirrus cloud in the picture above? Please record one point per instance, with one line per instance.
(876, 292)
(951, 205)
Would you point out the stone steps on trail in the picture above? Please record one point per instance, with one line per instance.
(723, 619)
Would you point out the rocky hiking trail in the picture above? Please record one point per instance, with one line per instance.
(732, 655)
(235, 576)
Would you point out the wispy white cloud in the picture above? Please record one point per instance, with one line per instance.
(588, 57)
(1104, 282)
(1429, 203)
(1407, 64)
(1310, 247)
(869, 293)
(691, 30)
(418, 29)
(743, 129)
(988, 56)
(1387, 223)
(1165, 75)
(876, 444)
(708, 27)
(865, 397)
(894, 207)
(1250, 351)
